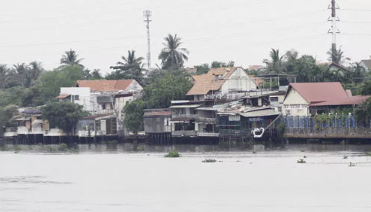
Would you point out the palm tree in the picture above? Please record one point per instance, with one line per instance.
(131, 67)
(275, 63)
(70, 58)
(4, 76)
(172, 56)
(337, 57)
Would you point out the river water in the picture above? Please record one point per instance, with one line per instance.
(142, 182)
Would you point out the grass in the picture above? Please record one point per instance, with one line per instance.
(301, 161)
(209, 161)
(172, 154)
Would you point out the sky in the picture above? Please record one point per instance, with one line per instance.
(244, 31)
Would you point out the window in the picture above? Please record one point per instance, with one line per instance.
(274, 99)
(76, 97)
(103, 106)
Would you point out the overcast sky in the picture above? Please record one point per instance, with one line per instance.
(101, 31)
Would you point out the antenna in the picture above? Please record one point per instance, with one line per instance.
(147, 15)
(334, 30)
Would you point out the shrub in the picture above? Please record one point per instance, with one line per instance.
(49, 149)
(301, 161)
(173, 154)
(209, 161)
(17, 148)
(62, 147)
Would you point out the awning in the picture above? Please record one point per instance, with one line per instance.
(207, 108)
(63, 96)
(260, 113)
(185, 106)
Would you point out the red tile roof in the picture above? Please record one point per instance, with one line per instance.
(157, 113)
(319, 92)
(105, 85)
(352, 100)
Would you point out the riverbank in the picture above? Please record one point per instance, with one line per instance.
(128, 147)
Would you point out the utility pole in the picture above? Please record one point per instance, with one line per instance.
(147, 15)
(334, 30)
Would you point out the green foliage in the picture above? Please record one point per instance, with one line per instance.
(172, 154)
(49, 149)
(62, 147)
(134, 115)
(363, 112)
(202, 69)
(281, 129)
(301, 161)
(209, 161)
(218, 64)
(70, 58)
(17, 148)
(275, 63)
(131, 68)
(63, 115)
(172, 56)
(49, 84)
(5, 116)
(11, 96)
(163, 90)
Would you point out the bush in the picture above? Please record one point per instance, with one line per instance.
(173, 154)
(209, 161)
(49, 149)
(63, 147)
(301, 161)
(17, 148)
(281, 129)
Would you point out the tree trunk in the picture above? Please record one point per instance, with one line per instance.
(136, 142)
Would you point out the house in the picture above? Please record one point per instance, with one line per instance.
(337, 68)
(226, 82)
(183, 118)
(366, 64)
(157, 124)
(304, 99)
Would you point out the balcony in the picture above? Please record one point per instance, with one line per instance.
(102, 112)
(54, 132)
(23, 130)
(207, 134)
(10, 132)
(183, 117)
(37, 130)
(91, 133)
(206, 120)
(184, 133)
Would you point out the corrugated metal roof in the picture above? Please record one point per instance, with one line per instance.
(185, 106)
(157, 113)
(260, 113)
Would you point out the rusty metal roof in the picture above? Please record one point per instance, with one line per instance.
(320, 91)
(105, 85)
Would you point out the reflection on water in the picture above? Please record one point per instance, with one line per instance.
(140, 182)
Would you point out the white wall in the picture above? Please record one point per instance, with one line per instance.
(239, 80)
(85, 98)
(134, 86)
(295, 104)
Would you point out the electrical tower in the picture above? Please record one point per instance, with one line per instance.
(147, 15)
(334, 30)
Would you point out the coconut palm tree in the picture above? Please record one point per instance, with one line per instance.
(337, 57)
(70, 58)
(172, 56)
(275, 62)
(132, 67)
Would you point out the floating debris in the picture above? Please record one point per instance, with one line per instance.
(301, 161)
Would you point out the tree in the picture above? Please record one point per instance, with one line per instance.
(363, 112)
(5, 115)
(164, 89)
(172, 56)
(202, 69)
(134, 115)
(218, 64)
(131, 67)
(48, 85)
(63, 115)
(275, 62)
(70, 58)
(337, 57)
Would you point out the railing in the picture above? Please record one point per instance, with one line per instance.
(232, 132)
(328, 133)
(184, 116)
(37, 130)
(206, 134)
(184, 133)
(10, 132)
(102, 112)
(91, 133)
(23, 130)
(206, 120)
(54, 132)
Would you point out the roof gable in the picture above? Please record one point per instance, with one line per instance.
(319, 92)
(105, 85)
(367, 63)
(206, 83)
